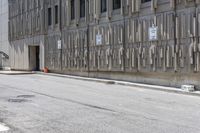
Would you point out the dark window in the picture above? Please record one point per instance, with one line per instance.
(56, 14)
(103, 6)
(72, 9)
(49, 16)
(82, 8)
(116, 4)
(143, 1)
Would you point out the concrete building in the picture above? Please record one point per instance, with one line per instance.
(26, 18)
(148, 41)
(4, 43)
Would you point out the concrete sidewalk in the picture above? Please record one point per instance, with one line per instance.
(144, 86)
(108, 81)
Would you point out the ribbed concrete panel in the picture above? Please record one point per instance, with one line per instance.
(126, 50)
(4, 44)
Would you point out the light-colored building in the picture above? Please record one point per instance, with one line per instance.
(4, 43)
(148, 41)
(26, 34)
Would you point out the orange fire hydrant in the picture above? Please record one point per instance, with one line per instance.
(46, 70)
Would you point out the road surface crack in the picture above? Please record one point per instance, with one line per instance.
(65, 99)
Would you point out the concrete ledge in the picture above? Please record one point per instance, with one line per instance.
(16, 72)
(143, 86)
(169, 79)
(5, 68)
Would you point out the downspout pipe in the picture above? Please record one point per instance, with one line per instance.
(195, 26)
(88, 40)
(60, 28)
(175, 37)
(124, 37)
(196, 39)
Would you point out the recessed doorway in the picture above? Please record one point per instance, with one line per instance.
(34, 58)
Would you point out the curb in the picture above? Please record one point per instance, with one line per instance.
(125, 83)
(15, 73)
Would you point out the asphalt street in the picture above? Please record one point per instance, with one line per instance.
(46, 104)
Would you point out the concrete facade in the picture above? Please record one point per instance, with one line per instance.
(26, 22)
(4, 43)
(126, 53)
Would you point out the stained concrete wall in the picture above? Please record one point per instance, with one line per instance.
(4, 43)
(126, 52)
(20, 55)
(26, 20)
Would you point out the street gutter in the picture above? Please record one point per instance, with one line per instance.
(125, 83)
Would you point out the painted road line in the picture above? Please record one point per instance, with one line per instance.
(3, 127)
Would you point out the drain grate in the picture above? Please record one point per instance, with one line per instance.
(17, 100)
(25, 96)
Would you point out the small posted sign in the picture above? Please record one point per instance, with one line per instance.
(153, 33)
(59, 44)
(99, 39)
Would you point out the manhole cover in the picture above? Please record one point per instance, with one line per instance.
(16, 100)
(25, 96)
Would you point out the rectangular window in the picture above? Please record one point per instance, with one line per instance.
(56, 14)
(103, 6)
(116, 4)
(72, 9)
(49, 16)
(143, 1)
(82, 8)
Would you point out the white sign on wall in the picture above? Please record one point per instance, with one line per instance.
(59, 44)
(153, 33)
(98, 39)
